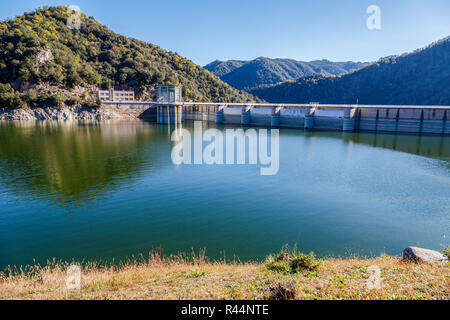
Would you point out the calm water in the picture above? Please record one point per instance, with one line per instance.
(110, 190)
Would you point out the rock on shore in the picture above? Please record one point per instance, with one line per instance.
(415, 254)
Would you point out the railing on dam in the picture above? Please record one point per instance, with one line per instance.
(314, 116)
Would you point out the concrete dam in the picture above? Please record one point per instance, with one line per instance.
(314, 116)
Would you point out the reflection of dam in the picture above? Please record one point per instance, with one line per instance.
(347, 118)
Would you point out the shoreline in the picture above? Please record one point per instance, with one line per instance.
(74, 113)
(196, 278)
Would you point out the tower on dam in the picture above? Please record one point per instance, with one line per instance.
(169, 104)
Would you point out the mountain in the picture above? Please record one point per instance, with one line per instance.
(418, 78)
(221, 68)
(262, 71)
(42, 60)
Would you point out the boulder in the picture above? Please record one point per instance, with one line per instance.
(415, 254)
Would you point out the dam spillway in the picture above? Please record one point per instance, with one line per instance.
(347, 118)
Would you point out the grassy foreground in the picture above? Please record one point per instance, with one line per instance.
(286, 275)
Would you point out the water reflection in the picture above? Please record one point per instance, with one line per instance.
(74, 162)
(428, 146)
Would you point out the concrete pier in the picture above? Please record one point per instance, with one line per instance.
(309, 117)
(275, 119)
(169, 114)
(246, 115)
(219, 113)
(350, 119)
(433, 121)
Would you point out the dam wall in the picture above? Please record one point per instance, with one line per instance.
(136, 110)
(347, 118)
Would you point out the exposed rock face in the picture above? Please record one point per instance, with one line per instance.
(73, 113)
(415, 254)
(44, 56)
(57, 114)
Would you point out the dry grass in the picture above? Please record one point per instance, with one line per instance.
(197, 278)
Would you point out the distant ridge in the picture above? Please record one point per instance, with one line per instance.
(245, 75)
(419, 78)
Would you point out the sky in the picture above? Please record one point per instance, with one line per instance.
(206, 30)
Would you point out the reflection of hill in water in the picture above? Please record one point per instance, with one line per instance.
(69, 162)
(427, 146)
(437, 147)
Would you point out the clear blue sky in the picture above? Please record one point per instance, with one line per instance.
(205, 30)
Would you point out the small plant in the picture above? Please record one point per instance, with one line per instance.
(446, 252)
(340, 279)
(52, 101)
(73, 101)
(98, 103)
(303, 262)
(281, 292)
(194, 274)
(279, 266)
(292, 262)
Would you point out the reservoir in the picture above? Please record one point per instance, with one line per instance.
(109, 190)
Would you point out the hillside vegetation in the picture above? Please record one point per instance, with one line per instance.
(265, 71)
(43, 61)
(221, 68)
(418, 78)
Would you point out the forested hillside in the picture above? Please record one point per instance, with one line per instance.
(43, 61)
(221, 68)
(264, 71)
(421, 77)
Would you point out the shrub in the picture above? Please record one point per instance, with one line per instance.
(278, 266)
(31, 98)
(17, 102)
(10, 99)
(446, 252)
(281, 292)
(98, 102)
(292, 262)
(303, 262)
(53, 100)
(73, 101)
(89, 103)
(194, 274)
(6, 88)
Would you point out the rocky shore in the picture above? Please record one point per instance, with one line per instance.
(73, 113)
